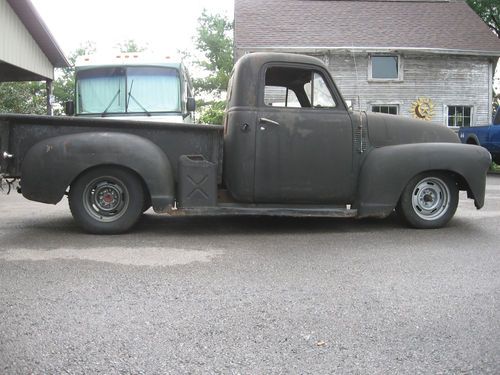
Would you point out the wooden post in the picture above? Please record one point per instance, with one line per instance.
(48, 85)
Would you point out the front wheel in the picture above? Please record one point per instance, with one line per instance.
(429, 200)
(106, 200)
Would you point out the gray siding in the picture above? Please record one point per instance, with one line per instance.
(496, 83)
(17, 46)
(445, 79)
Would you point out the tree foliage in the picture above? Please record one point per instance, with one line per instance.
(212, 112)
(23, 97)
(130, 45)
(214, 41)
(489, 11)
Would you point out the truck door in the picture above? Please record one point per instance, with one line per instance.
(303, 139)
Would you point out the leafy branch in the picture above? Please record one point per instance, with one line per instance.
(489, 11)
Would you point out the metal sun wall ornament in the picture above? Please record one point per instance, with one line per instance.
(423, 108)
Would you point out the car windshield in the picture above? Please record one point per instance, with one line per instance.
(128, 90)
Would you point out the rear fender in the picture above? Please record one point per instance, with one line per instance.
(51, 165)
(387, 170)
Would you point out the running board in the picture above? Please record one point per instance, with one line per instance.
(262, 210)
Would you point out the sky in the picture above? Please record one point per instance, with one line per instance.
(164, 26)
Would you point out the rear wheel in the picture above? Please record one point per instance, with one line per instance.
(106, 200)
(429, 200)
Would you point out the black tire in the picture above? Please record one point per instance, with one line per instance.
(106, 200)
(429, 200)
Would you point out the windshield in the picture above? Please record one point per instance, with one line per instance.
(128, 90)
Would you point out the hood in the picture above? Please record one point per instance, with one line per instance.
(387, 130)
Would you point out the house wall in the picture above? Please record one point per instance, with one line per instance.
(17, 46)
(445, 79)
(496, 81)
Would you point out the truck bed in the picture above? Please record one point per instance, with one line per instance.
(18, 133)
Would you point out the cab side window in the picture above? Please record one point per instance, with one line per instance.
(296, 87)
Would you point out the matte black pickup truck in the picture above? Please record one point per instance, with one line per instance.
(289, 146)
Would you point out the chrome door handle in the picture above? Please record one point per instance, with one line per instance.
(266, 121)
(7, 156)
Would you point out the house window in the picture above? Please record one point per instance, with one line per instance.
(459, 116)
(391, 109)
(385, 67)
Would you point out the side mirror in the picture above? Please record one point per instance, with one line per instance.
(69, 108)
(190, 105)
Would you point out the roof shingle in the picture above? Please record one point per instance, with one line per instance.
(393, 24)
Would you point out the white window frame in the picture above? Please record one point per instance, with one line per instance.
(400, 67)
(446, 115)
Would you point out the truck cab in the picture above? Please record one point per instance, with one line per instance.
(289, 135)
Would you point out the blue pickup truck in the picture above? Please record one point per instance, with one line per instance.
(487, 136)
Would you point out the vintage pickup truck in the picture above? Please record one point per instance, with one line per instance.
(289, 146)
(487, 136)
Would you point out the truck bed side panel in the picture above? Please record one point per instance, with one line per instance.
(173, 139)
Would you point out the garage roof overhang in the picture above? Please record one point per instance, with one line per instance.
(12, 73)
(37, 28)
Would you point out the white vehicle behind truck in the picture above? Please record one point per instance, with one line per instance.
(132, 86)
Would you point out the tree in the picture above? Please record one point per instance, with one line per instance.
(214, 41)
(130, 46)
(23, 97)
(212, 112)
(489, 11)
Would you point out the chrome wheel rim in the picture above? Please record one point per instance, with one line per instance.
(430, 198)
(106, 199)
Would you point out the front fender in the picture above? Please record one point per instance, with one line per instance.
(387, 170)
(51, 165)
